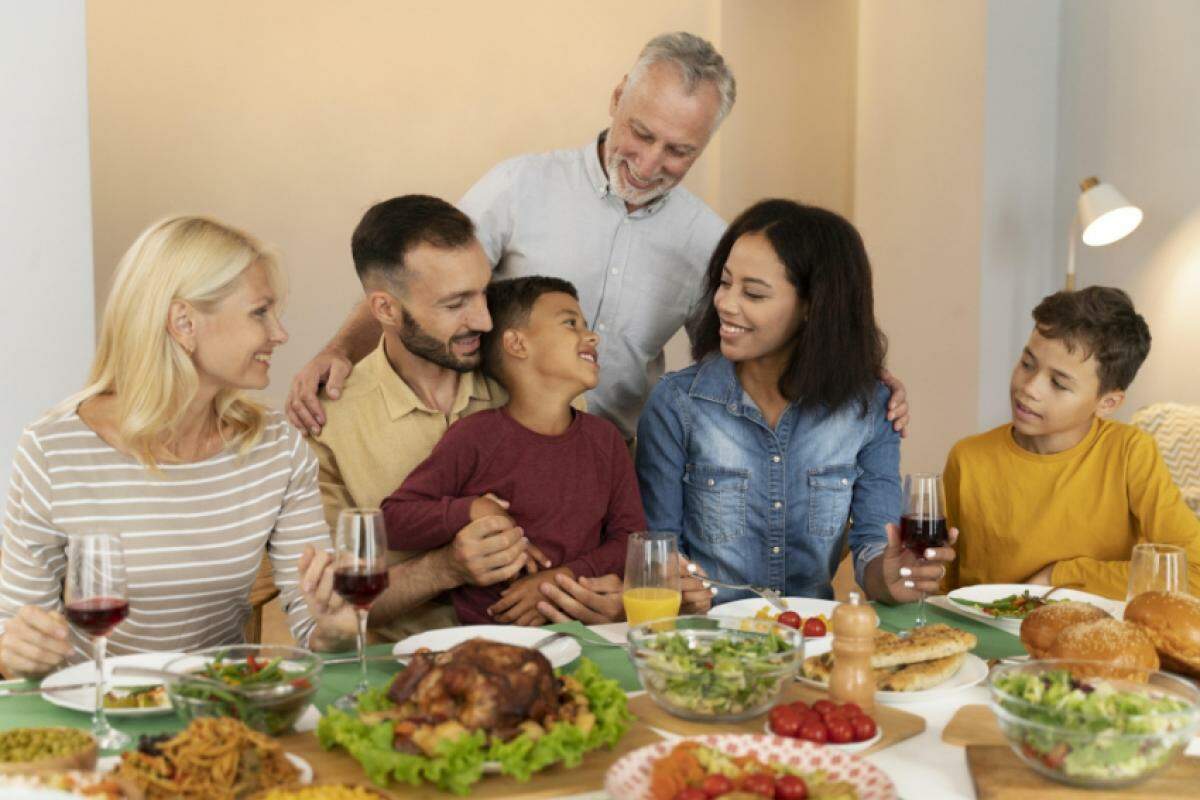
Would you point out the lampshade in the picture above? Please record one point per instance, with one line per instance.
(1104, 214)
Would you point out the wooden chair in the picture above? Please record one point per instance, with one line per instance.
(262, 592)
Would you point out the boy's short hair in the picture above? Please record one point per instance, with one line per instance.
(510, 303)
(389, 230)
(1102, 321)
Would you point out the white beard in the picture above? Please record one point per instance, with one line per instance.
(631, 195)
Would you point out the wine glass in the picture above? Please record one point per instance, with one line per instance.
(359, 575)
(1157, 567)
(651, 577)
(97, 602)
(923, 524)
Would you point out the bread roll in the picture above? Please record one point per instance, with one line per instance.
(1172, 621)
(1121, 649)
(1042, 626)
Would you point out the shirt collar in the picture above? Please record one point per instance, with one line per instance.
(600, 182)
(401, 400)
(717, 381)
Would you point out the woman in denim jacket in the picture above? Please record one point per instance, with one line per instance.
(761, 452)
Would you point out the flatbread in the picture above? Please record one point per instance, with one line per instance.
(904, 678)
(920, 644)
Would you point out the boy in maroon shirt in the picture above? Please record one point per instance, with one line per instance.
(563, 475)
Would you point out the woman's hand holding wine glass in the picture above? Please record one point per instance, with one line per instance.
(35, 642)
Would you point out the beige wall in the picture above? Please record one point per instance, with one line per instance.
(917, 201)
(290, 118)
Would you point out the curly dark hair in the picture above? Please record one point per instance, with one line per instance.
(1102, 321)
(839, 350)
(510, 302)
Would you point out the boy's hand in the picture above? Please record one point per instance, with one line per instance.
(1042, 576)
(489, 506)
(518, 603)
(590, 600)
(908, 577)
(898, 404)
(538, 560)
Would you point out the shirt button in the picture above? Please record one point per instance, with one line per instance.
(776, 459)
(711, 482)
(775, 549)
(845, 481)
(600, 327)
(777, 504)
(616, 272)
(733, 408)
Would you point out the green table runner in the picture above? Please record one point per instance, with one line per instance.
(31, 711)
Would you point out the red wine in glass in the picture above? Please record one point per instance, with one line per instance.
(97, 615)
(919, 533)
(359, 588)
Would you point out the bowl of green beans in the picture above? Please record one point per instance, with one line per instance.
(267, 687)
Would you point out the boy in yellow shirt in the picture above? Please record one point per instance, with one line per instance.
(1062, 494)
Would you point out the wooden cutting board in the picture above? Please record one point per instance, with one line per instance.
(973, 724)
(338, 767)
(999, 775)
(897, 725)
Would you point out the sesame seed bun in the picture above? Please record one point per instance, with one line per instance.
(1042, 626)
(1124, 648)
(1172, 621)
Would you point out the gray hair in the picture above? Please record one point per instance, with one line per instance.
(697, 60)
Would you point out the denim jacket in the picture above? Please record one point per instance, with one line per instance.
(763, 506)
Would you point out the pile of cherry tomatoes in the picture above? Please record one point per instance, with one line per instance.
(812, 628)
(763, 784)
(824, 721)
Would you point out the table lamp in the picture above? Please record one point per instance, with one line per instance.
(1103, 217)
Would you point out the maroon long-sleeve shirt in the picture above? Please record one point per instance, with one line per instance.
(575, 495)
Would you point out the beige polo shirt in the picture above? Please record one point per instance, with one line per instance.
(376, 433)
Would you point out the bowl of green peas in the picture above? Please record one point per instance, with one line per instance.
(267, 687)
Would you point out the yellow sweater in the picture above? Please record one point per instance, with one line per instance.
(1083, 509)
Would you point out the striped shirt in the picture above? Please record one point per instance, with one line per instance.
(193, 534)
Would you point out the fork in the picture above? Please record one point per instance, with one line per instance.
(766, 593)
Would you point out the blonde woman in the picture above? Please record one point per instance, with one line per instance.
(163, 449)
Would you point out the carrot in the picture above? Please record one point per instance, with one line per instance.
(675, 772)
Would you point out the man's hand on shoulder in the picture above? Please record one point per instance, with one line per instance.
(898, 403)
(329, 368)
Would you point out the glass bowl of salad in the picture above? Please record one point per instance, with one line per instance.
(265, 686)
(1083, 730)
(715, 669)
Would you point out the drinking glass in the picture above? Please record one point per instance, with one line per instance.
(923, 524)
(97, 602)
(360, 574)
(1157, 567)
(651, 577)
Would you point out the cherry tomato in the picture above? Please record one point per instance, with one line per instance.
(759, 783)
(823, 707)
(784, 721)
(851, 709)
(864, 727)
(800, 706)
(791, 619)
(840, 731)
(814, 627)
(814, 730)
(691, 793)
(791, 787)
(717, 785)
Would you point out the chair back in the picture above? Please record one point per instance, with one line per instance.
(1176, 430)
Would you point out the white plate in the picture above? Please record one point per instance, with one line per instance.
(972, 672)
(848, 747)
(804, 606)
(305, 769)
(629, 778)
(85, 699)
(561, 652)
(988, 592)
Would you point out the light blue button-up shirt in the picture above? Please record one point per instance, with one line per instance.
(640, 275)
(759, 505)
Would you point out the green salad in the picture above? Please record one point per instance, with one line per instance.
(459, 763)
(717, 677)
(263, 693)
(1092, 729)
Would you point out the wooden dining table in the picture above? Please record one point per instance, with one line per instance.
(922, 766)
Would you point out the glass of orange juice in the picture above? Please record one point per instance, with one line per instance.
(651, 577)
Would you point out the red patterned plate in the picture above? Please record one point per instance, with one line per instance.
(629, 778)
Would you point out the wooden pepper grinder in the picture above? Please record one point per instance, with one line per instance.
(852, 679)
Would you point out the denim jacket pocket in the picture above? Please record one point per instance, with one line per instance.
(830, 490)
(714, 501)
